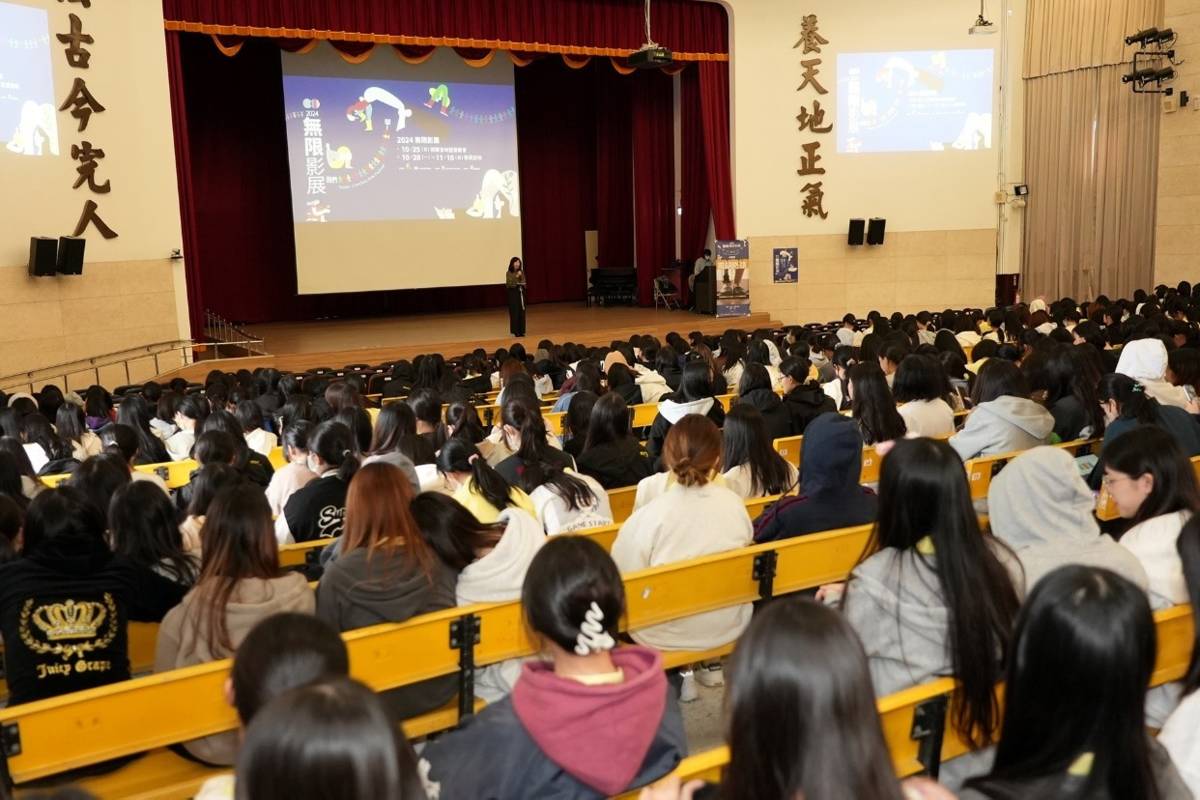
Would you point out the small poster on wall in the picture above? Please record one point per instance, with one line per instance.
(733, 278)
(786, 264)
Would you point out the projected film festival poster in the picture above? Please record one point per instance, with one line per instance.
(370, 149)
(733, 278)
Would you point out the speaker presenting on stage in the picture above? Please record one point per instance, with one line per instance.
(514, 280)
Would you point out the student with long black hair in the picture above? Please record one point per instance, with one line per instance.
(1004, 419)
(394, 438)
(694, 396)
(189, 416)
(756, 389)
(482, 490)
(872, 405)
(426, 405)
(576, 420)
(932, 594)
(254, 465)
(69, 424)
(1126, 405)
(803, 399)
(142, 527)
(135, 412)
(750, 465)
(48, 452)
(612, 454)
(121, 441)
(317, 510)
(1078, 670)
(1061, 373)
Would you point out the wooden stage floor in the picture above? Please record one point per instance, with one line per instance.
(334, 343)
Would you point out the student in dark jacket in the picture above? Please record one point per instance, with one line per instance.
(524, 433)
(589, 721)
(754, 389)
(611, 454)
(695, 396)
(621, 381)
(66, 602)
(803, 399)
(576, 421)
(1126, 405)
(318, 510)
(385, 572)
(830, 495)
(667, 365)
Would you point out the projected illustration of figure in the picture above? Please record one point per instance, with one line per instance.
(439, 94)
(498, 188)
(37, 127)
(339, 158)
(363, 111)
(317, 211)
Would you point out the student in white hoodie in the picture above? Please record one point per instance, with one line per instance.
(921, 388)
(1004, 419)
(1153, 485)
(1145, 360)
(193, 410)
(491, 560)
(693, 397)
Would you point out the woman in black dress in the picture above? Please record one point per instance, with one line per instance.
(514, 280)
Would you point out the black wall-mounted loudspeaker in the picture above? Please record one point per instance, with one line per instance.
(858, 232)
(42, 254)
(875, 230)
(70, 255)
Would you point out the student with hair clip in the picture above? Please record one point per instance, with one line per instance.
(1153, 486)
(64, 557)
(121, 441)
(756, 390)
(329, 739)
(68, 423)
(482, 490)
(385, 572)
(250, 414)
(921, 388)
(750, 466)
(189, 417)
(316, 511)
(588, 720)
(692, 517)
(142, 528)
(206, 483)
(1004, 418)
(932, 594)
(803, 399)
(240, 583)
(844, 357)
(872, 406)
(294, 475)
(138, 415)
(1078, 669)
(611, 454)
(1126, 405)
(695, 396)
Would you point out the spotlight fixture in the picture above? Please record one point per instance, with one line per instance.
(982, 26)
(1143, 37)
(1140, 78)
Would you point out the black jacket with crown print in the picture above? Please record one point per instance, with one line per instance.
(64, 620)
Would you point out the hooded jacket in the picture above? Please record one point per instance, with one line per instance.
(558, 517)
(804, 404)
(616, 464)
(357, 591)
(1154, 543)
(1042, 509)
(653, 385)
(1145, 360)
(1001, 426)
(671, 411)
(557, 739)
(823, 366)
(830, 496)
(775, 414)
(182, 642)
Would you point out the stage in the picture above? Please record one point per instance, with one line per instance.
(296, 346)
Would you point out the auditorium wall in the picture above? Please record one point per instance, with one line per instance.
(1177, 241)
(131, 293)
(945, 239)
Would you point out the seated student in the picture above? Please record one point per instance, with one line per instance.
(250, 415)
(121, 441)
(240, 583)
(426, 406)
(750, 465)
(48, 452)
(254, 465)
(844, 358)
(394, 440)
(587, 379)
(189, 416)
(333, 739)
(803, 400)
(1004, 419)
(1126, 405)
(69, 424)
(611, 454)
(99, 478)
(206, 483)
(755, 390)
(921, 389)
(490, 560)
(12, 518)
(1070, 397)
(1154, 486)
(1180, 733)
(30, 484)
(385, 572)
(830, 496)
(163, 425)
(590, 720)
(691, 518)
(1145, 360)
(1076, 680)
(143, 530)
(620, 380)
(317, 510)
(481, 490)
(1040, 507)
(138, 414)
(575, 423)
(65, 559)
(873, 407)
(523, 433)
(694, 396)
(890, 356)
(294, 475)
(400, 383)
(932, 595)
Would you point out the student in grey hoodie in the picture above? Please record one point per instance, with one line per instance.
(693, 397)
(1004, 419)
(1041, 508)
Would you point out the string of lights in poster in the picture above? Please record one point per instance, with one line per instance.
(812, 126)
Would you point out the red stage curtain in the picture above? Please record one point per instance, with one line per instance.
(614, 173)
(714, 104)
(654, 177)
(693, 183)
(183, 174)
(685, 26)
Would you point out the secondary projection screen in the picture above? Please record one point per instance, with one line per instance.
(915, 101)
(28, 119)
(402, 176)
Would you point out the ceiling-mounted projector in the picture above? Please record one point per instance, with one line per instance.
(982, 26)
(651, 55)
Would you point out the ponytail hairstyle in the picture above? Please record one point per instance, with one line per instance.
(1150, 450)
(359, 423)
(873, 406)
(462, 422)
(378, 518)
(459, 456)
(538, 471)
(925, 502)
(295, 436)
(692, 450)
(573, 596)
(1130, 397)
(427, 407)
(844, 357)
(745, 441)
(451, 531)
(334, 444)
